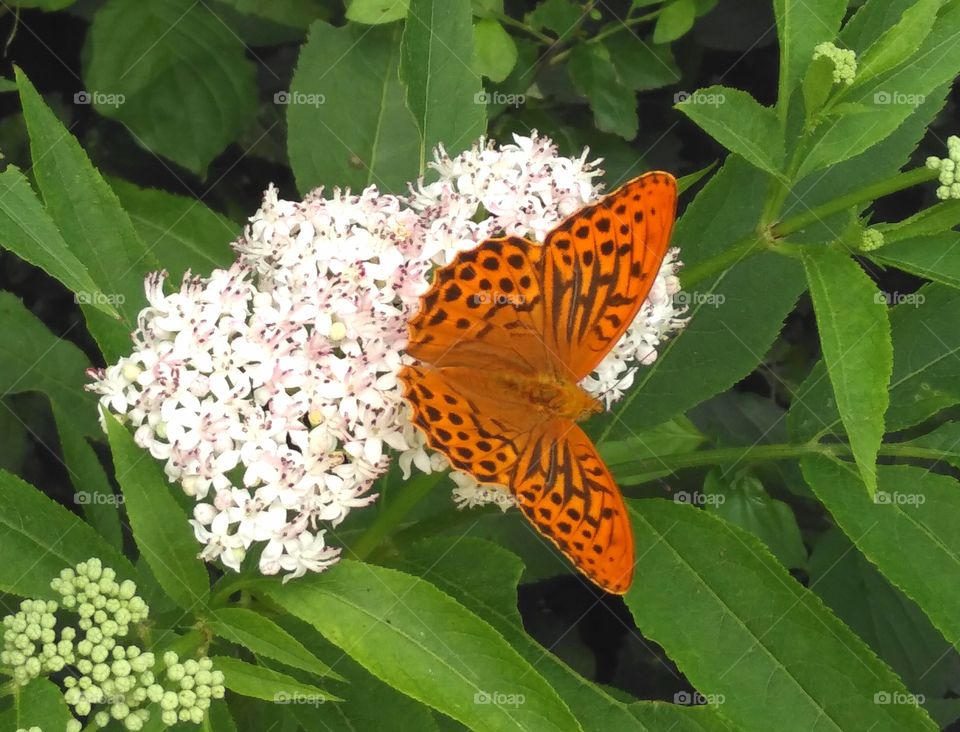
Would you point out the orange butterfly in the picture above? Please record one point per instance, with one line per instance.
(503, 337)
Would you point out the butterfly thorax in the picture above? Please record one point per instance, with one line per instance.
(551, 395)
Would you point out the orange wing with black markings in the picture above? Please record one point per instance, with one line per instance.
(504, 335)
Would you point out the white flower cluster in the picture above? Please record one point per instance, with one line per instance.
(270, 389)
(844, 61)
(949, 178)
(106, 680)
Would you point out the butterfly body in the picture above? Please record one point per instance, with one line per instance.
(504, 336)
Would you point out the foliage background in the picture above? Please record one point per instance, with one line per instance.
(785, 595)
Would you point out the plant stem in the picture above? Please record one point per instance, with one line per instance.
(404, 500)
(885, 187)
(520, 25)
(782, 451)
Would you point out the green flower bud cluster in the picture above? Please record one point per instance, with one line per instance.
(949, 175)
(844, 62)
(104, 680)
(872, 239)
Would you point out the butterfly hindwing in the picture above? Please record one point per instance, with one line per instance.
(599, 266)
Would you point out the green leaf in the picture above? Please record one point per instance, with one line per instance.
(146, 64)
(626, 446)
(891, 623)
(40, 538)
(857, 349)
(489, 588)
(640, 65)
(730, 615)
(900, 42)
(159, 525)
(800, 27)
(362, 133)
(40, 704)
(90, 219)
(742, 500)
(926, 344)
(376, 12)
(42, 362)
(442, 89)
(676, 718)
(264, 683)
(614, 106)
(29, 232)
(937, 219)
(294, 13)
(559, 16)
(264, 637)
(494, 51)
(675, 19)
(910, 523)
(181, 232)
(735, 120)
(944, 441)
(149, 63)
(935, 257)
(428, 646)
(817, 85)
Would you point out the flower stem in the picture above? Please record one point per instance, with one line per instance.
(386, 522)
(520, 25)
(780, 451)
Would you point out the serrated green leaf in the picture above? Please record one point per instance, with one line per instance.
(735, 120)
(640, 64)
(817, 84)
(559, 16)
(935, 257)
(40, 705)
(857, 349)
(899, 42)
(730, 615)
(362, 133)
(147, 63)
(376, 12)
(911, 522)
(264, 683)
(494, 50)
(40, 538)
(674, 20)
(29, 232)
(264, 637)
(800, 27)
(613, 104)
(943, 440)
(427, 646)
(159, 525)
(442, 90)
(937, 219)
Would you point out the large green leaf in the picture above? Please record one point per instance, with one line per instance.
(900, 41)
(741, 629)
(739, 123)
(29, 232)
(443, 91)
(489, 588)
(159, 525)
(40, 538)
(40, 705)
(926, 346)
(362, 132)
(613, 103)
(913, 521)
(935, 257)
(800, 27)
(857, 349)
(91, 220)
(264, 683)
(148, 63)
(427, 645)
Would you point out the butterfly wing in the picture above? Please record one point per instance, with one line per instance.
(566, 491)
(599, 265)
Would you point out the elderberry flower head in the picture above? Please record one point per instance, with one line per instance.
(949, 180)
(844, 61)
